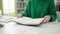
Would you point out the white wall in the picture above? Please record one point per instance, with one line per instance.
(8, 6)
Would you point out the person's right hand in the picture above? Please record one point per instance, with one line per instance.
(19, 16)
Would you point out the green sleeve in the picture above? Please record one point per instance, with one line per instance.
(52, 11)
(27, 8)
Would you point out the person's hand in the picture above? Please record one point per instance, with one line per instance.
(19, 16)
(46, 19)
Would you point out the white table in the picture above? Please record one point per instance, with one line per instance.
(13, 28)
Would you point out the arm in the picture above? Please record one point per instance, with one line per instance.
(51, 14)
(52, 11)
(27, 8)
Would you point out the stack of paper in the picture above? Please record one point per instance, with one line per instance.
(6, 19)
(23, 20)
(29, 21)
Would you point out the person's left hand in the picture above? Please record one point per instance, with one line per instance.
(46, 19)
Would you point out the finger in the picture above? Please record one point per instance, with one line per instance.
(45, 21)
(18, 16)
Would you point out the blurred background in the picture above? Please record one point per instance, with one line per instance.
(14, 7)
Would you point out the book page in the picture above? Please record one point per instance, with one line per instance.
(29, 21)
(23, 20)
(6, 19)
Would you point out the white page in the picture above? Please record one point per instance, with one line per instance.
(23, 20)
(29, 21)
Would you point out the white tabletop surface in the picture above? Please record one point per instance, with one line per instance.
(13, 28)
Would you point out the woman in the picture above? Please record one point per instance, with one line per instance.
(40, 9)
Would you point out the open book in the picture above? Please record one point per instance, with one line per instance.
(22, 20)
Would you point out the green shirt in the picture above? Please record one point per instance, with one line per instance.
(40, 8)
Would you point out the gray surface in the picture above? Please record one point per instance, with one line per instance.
(13, 28)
